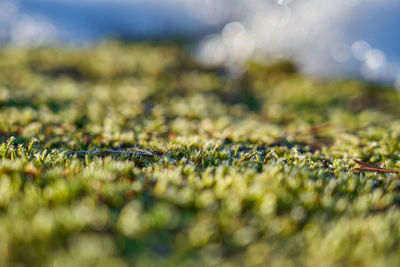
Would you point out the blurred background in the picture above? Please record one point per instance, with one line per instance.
(328, 39)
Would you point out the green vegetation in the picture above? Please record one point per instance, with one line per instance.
(132, 154)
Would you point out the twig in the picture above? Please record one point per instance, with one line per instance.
(367, 167)
(139, 153)
(366, 164)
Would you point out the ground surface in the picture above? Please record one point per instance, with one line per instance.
(133, 154)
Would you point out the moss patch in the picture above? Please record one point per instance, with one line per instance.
(186, 166)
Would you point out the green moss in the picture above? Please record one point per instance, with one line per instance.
(131, 154)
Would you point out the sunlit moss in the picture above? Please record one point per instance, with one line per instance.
(253, 170)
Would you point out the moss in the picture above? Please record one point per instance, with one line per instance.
(131, 154)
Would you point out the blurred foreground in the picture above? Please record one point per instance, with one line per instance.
(250, 171)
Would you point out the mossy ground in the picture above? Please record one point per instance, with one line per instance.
(247, 171)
